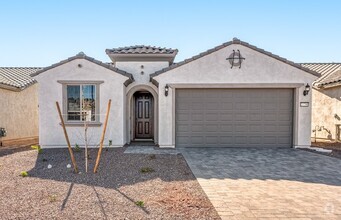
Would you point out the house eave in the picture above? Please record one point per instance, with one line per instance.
(90, 59)
(327, 85)
(11, 88)
(116, 57)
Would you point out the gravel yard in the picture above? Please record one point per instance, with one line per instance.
(120, 190)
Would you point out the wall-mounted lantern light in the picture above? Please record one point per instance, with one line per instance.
(235, 59)
(306, 90)
(166, 90)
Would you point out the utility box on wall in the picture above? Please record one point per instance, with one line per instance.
(3, 132)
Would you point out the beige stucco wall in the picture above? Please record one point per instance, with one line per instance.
(19, 113)
(214, 71)
(326, 105)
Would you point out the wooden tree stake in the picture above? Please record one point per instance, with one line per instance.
(102, 138)
(67, 139)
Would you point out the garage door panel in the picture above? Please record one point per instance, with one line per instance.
(198, 128)
(226, 116)
(255, 116)
(242, 127)
(226, 128)
(284, 117)
(212, 116)
(255, 128)
(212, 139)
(285, 107)
(197, 116)
(241, 116)
(270, 116)
(240, 105)
(182, 128)
(241, 140)
(270, 106)
(211, 105)
(254, 140)
(183, 116)
(197, 140)
(212, 128)
(255, 106)
(234, 117)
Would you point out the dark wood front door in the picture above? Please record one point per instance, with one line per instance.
(143, 116)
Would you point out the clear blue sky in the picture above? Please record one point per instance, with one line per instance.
(40, 33)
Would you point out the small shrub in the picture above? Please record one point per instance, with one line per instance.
(152, 157)
(38, 148)
(23, 173)
(44, 160)
(139, 203)
(146, 170)
(52, 198)
(35, 147)
(77, 148)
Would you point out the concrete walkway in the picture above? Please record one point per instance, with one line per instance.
(268, 183)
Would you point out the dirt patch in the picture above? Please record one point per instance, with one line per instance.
(118, 191)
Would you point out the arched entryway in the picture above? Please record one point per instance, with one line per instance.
(142, 103)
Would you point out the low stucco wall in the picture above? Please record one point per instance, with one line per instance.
(326, 113)
(19, 113)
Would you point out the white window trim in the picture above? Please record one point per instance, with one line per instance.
(66, 83)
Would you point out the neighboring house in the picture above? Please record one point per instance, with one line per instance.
(326, 116)
(18, 105)
(234, 95)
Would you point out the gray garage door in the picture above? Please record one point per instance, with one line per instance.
(234, 117)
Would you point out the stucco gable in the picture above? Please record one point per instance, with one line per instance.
(92, 60)
(224, 45)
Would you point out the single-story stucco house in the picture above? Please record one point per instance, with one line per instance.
(233, 95)
(326, 99)
(18, 106)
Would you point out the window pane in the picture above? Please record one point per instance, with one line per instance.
(89, 102)
(73, 103)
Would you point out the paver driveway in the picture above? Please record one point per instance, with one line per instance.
(268, 183)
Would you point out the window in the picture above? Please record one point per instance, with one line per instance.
(81, 103)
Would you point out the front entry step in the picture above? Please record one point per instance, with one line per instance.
(135, 148)
(142, 143)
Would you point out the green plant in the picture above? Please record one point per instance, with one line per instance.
(38, 148)
(53, 198)
(23, 173)
(77, 148)
(146, 170)
(44, 160)
(139, 203)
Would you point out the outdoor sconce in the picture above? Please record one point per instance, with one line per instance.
(166, 90)
(235, 59)
(306, 90)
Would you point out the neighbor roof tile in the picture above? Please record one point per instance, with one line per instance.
(330, 73)
(17, 78)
